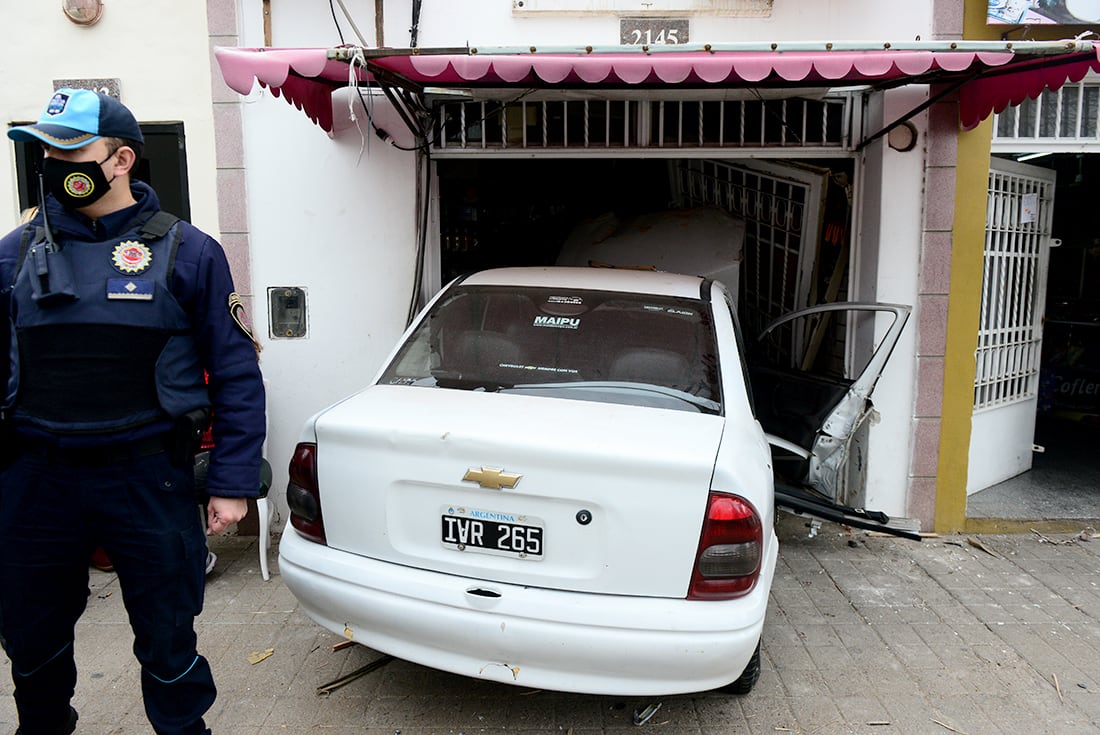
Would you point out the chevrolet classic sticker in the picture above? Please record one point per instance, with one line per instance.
(130, 289)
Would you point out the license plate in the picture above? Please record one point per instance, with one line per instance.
(492, 532)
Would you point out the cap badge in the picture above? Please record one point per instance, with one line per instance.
(57, 104)
(131, 256)
(79, 185)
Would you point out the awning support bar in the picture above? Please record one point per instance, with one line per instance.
(1030, 64)
(951, 89)
(402, 108)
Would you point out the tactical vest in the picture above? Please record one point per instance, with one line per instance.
(116, 350)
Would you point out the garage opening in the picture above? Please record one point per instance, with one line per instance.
(518, 178)
(793, 236)
(796, 216)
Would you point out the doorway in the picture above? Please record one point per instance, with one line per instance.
(1064, 479)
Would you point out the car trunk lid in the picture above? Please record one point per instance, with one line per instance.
(588, 496)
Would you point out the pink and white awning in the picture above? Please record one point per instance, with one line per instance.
(992, 76)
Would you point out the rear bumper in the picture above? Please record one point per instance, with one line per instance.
(546, 639)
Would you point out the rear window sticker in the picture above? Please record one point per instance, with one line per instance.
(540, 368)
(557, 322)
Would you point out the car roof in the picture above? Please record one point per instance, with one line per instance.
(594, 279)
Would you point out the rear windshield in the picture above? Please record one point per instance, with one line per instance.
(588, 345)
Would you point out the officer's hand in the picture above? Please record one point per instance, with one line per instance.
(221, 513)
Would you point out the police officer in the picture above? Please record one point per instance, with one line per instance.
(116, 310)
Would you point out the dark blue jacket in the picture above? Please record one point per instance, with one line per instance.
(201, 284)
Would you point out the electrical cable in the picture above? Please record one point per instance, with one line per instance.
(357, 58)
(424, 176)
(353, 81)
(414, 32)
(351, 22)
(335, 22)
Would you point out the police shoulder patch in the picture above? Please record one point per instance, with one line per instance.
(132, 256)
(236, 312)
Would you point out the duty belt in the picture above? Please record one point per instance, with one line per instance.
(96, 456)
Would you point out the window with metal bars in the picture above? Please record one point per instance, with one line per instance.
(1069, 115)
(494, 125)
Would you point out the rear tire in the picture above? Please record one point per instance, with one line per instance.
(748, 678)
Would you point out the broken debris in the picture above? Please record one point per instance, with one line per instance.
(1086, 534)
(347, 678)
(979, 544)
(257, 656)
(644, 715)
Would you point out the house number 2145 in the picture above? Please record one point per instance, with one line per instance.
(653, 31)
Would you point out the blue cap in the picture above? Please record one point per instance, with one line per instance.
(73, 118)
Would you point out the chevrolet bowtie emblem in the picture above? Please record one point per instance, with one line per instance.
(492, 478)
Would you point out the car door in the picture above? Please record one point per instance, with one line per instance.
(812, 393)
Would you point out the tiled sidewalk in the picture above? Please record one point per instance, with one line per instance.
(866, 634)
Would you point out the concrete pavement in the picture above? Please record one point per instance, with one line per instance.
(866, 634)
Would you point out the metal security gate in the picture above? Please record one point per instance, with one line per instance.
(1006, 381)
(782, 206)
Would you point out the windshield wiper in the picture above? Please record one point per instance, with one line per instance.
(461, 382)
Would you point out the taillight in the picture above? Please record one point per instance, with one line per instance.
(727, 564)
(303, 496)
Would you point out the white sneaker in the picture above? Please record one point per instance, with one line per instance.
(211, 560)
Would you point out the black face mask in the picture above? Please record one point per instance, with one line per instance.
(75, 184)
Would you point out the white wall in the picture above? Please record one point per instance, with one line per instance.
(892, 209)
(342, 229)
(493, 23)
(157, 50)
(333, 215)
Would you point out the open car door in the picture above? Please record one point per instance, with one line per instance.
(810, 408)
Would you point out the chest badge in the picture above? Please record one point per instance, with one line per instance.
(131, 256)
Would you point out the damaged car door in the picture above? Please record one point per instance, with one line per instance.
(812, 395)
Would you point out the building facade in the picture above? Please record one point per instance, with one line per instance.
(338, 228)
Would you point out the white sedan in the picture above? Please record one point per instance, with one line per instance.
(559, 481)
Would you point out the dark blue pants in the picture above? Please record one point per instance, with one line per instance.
(142, 510)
